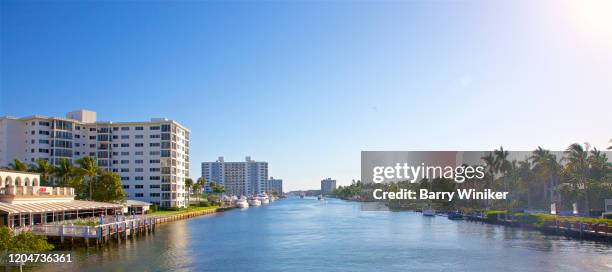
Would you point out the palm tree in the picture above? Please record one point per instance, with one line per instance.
(18, 165)
(89, 168)
(578, 169)
(525, 175)
(201, 184)
(188, 185)
(65, 172)
(546, 166)
(45, 169)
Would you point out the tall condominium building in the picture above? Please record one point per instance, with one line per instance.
(328, 185)
(152, 157)
(275, 185)
(239, 178)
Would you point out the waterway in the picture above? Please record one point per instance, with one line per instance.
(335, 235)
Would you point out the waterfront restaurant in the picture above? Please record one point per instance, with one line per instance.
(23, 202)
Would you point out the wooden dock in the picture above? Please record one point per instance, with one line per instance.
(122, 229)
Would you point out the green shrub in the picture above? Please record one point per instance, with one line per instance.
(204, 204)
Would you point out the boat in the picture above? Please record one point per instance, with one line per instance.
(455, 216)
(320, 197)
(263, 198)
(253, 201)
(242, 203)
(429, 211)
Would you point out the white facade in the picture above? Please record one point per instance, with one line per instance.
(239, 178)
(152, 157)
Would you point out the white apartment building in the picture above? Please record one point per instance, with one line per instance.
(239, 178)
(328, 185)
(151, 157)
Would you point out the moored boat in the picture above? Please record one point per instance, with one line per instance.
(242, 202)
(253, 201)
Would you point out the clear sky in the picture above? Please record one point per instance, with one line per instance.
(307, 85)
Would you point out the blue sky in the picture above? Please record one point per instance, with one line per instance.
(307, 85)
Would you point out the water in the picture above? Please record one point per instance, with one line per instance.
(306, 234)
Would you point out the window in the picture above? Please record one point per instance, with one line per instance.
(139, 161)
(125, 128)
(92, 137)
(125, 170)
(139, 144)
(154, 128)
(154, 136)
(153, 153)
(154, 169)
(139, 153)
(115, 137)
(125, 145)
(139, 136)
(92, 129)
(154, 186)
(115, 128)
(139, 195)
(139, 170)
(125, 153)
(92, 145)
(154, 144)
(126, 186)
(125, 161)
(154, 194)
(139, 128)
(154, 178)
(138, 186)
(125, 136)
(154, 161)
(139, 178)
(124, 179)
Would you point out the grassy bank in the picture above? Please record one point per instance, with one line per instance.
(182, 210)
(540, 220)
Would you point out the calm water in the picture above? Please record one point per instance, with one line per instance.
(305, 234)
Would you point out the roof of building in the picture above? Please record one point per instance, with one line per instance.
(137, 203)
(55, 206)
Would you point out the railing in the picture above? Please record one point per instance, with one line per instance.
(98, 231)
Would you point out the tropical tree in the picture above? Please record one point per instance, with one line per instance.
(45, 169)
(65, 172)
(546, 167)
(525, 176)
(188, 185)
(18, 165)
(577, 170)
(108, 188)
(88, 167)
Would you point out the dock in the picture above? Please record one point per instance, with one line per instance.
(121, 228)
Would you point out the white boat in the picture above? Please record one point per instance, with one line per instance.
(254, 201)
(242, 203)
(263, 198)
(429, 212)
(320, 197)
